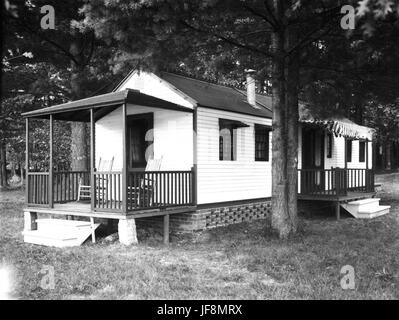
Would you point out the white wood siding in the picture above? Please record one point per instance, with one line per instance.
(242, 179)
(149, 83)
(173, 137)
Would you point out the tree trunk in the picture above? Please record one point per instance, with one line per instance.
(3, 165)
(79, 159)
(21, 170)
(280, 216)
(292, 131)
(285, 77)
(388, 154)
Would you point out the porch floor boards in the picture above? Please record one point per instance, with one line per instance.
(351, 196)
(84, 210)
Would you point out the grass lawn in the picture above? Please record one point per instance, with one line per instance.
(237, 262)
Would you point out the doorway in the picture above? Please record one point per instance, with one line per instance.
(140, 140)
(313, 159)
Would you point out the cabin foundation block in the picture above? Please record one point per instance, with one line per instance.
(127, 231)
(30, 221)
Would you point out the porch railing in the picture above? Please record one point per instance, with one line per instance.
(159, 189)
(66, 185)
(144, 189)
(335, 181)
(38, 188)
(64, 189)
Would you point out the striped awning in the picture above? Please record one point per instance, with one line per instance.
(339, 126)
(343, 128)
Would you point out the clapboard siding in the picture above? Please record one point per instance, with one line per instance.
(173, 137)
(219, 181)
(149, 83)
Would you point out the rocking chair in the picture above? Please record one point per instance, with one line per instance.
(84, 191)
(146, 186)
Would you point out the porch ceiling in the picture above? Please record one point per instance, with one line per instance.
(79, 110)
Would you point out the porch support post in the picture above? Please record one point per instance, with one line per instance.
(92, 159)
(124, 158)
(127, 231)
(338, 210)
(50, 170)
(346, 180)
(346, 156)
(166, 229)
(195, 158)
(27, 161)
(366, 173)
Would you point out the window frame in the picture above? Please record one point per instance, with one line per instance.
(329, 145)
(362, 155)
(233, 155)
(258, 132)
(347, 144)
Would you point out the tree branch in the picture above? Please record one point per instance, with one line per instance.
(90, 55)
(43, 37)
(307, 39)
(228, 40)
(271, 14)
(258, 14)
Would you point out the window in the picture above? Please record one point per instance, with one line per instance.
(227, 147)
(348, 150)
(261, 143)
(228, 138)
(362, 151)
(329, 145)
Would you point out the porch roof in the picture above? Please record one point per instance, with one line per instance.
(78, 110)
(339, 126)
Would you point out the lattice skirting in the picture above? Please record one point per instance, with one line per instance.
(213, 217)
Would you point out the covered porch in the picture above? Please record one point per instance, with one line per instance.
(126, 191)
(335, 161)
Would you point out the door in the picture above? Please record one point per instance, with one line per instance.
(140, 140)
(312, 178)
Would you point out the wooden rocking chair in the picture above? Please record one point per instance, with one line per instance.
(84, 191)
(136, 193)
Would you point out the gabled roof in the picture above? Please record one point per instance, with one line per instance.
(215, 96)
(79, 110)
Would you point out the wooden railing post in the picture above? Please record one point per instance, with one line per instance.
(92, 160)
(124, 159)
(27, 161)
(50, 170)
(194, 184)
(340, 186)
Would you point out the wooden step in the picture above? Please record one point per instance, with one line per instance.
(60, 232)
(63, 222)
(366, 208)
(61, 225)
(374, 212)
(50, 239)
(364, 201)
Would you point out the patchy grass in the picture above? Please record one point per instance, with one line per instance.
(237, 262)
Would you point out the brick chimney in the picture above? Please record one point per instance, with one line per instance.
(251, 96)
